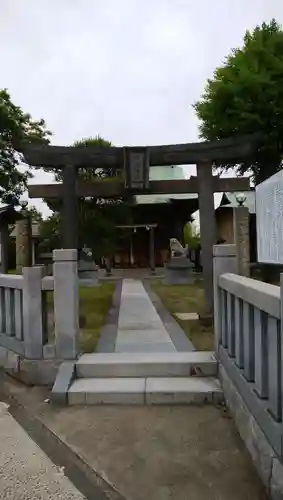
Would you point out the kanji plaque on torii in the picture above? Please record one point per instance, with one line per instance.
(136, 168)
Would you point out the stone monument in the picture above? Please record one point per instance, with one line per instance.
(23, 243)
(179, 270)
(241, 223)
(8, 216)
(269, 220)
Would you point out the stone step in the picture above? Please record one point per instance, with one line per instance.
(140, 391)
(151, 364)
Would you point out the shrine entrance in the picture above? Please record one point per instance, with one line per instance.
(133, 164)
(140, 251)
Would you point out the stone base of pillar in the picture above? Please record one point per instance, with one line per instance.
(87, 270)
(179, 271)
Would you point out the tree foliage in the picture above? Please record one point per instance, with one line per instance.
(98, 173)
(33, 213)
(50, 230)
(97, 217)
(245, 96)
(191, 235)
(88, 174)
(16, 128)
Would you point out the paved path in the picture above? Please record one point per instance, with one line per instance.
(140, 328)
(25, 471)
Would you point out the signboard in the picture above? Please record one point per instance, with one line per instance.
(136, 164)
(269, 220)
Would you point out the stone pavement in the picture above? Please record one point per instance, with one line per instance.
(150, 452)
(25, 471)
(140, 328)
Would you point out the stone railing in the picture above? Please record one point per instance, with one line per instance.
(248, 337)
(25, 310)
(21, 318)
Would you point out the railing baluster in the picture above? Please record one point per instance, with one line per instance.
(224, 338)
(2, 310)
(249, 341)
(8, 326)
(261, 353)
(231, 324)
(239, 333)
(45, 318)
(10, 312)
(19, 314)
(274, 368)
(219, 318)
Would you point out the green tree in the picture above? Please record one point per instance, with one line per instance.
(33, 213)
(50, 233)
(191, 235)
(16, 128)
(88, 174)
(188, 233)
(97, 218)
(245, 96)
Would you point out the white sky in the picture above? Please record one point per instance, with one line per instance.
(128, 70)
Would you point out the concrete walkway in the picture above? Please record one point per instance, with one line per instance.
(25, 471)
(140, 328)
(122, 452)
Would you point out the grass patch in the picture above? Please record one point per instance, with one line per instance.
(185, 299)
(13, 271)
(94, 304)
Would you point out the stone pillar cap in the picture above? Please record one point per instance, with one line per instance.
(65, 255)
(228, 250)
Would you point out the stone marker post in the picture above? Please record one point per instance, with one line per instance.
(241, 221)
(23, 244)
(224, 261)
(66, 303)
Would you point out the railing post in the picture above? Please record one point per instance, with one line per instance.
(32, 312)
(224, 261)
(66, 303)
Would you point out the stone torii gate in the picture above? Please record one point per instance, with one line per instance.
(135, 163)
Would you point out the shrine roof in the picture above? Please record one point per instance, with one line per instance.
(229, 200)
(8, 213)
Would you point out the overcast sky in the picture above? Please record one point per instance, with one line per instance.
(128, 70)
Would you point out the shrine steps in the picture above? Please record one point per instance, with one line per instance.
(139, 378)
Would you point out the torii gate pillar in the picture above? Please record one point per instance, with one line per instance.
(208, 232)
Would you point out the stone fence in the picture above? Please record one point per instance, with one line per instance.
(25, 310)
(249, 346)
